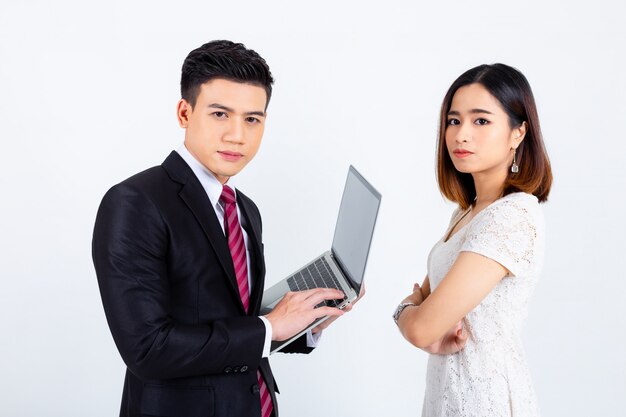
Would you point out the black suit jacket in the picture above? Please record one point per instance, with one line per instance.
(170, 296)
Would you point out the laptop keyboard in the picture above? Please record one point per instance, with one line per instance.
(316, 275)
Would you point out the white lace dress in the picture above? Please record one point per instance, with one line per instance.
(489, 377)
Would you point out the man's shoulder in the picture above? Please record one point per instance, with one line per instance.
(157, 183)
(157, 177)
(150, 179)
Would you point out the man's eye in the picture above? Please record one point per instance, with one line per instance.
(219, 114)
(482, 122)
(453, 122)
(252, 120)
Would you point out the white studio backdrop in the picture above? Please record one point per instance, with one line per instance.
(88, 93)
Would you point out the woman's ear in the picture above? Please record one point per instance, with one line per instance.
(519, 133)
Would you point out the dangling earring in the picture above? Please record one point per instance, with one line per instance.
(514, 167)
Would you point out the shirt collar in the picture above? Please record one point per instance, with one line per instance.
(211, 185)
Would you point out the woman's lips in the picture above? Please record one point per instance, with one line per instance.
(230, 156)
(462, 153)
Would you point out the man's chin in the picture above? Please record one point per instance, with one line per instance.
(224, 174)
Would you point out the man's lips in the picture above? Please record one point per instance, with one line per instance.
(230, 156)
(462, 153)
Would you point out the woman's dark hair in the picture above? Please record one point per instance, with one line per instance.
(511, 89)
(227, 60)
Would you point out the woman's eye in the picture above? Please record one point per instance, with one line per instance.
(453, 122)
(482, 122)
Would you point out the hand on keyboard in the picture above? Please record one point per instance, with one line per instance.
(328, 322)
(299, 309)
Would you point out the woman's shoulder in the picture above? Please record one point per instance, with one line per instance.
(519, 198)
(518, 206)
(516, 202)
(510, 231)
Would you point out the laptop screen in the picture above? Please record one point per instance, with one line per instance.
(355, 226)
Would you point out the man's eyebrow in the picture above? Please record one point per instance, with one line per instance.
(255, 113)
(472, 111)
(228, 109)
(220, 106)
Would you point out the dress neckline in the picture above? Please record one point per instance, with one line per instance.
(447, 236)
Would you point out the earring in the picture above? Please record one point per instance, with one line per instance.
(514, 167)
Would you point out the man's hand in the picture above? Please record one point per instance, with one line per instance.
(297, 310)
(451, 342)
(323, 325)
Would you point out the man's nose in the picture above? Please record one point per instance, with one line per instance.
(236, 131)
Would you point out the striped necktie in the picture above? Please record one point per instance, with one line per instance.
(240, 262)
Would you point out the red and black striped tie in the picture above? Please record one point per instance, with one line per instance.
(238, 253)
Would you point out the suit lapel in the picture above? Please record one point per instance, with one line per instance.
(200, 205)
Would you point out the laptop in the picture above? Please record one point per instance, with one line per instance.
(343, 266)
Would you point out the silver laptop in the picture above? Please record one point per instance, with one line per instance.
(343, 266)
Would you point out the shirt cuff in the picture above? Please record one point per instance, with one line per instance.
(268, 337)
(312, 340)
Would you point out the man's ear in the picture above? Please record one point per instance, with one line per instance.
(183, 111)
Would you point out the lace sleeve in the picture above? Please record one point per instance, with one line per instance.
(505, 232)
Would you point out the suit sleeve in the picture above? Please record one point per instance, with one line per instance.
(129, 249)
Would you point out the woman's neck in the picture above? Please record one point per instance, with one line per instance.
(489, 188)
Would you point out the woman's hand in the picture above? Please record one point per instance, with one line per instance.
(417, 297)
(451, 342)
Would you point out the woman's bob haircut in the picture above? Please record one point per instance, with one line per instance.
(511, 89)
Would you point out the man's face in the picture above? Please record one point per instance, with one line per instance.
(225, 127)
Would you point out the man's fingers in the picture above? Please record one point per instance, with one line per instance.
(320, 327)
(329, 292)
(298, 309)
(323, 325)
(300, 295)
(316, 296)
(327, 311)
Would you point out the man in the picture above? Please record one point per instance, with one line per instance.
(179, 257)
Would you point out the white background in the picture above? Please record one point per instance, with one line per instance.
(87, 98)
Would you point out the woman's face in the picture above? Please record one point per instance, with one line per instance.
(478, 135)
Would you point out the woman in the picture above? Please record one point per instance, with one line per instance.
(470, 309)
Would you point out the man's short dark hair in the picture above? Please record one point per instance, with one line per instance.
(226, 60)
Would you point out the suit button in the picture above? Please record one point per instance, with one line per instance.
(244, 368)
(228, 369)
(255, 389)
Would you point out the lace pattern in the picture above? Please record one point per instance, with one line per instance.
(490, 377)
